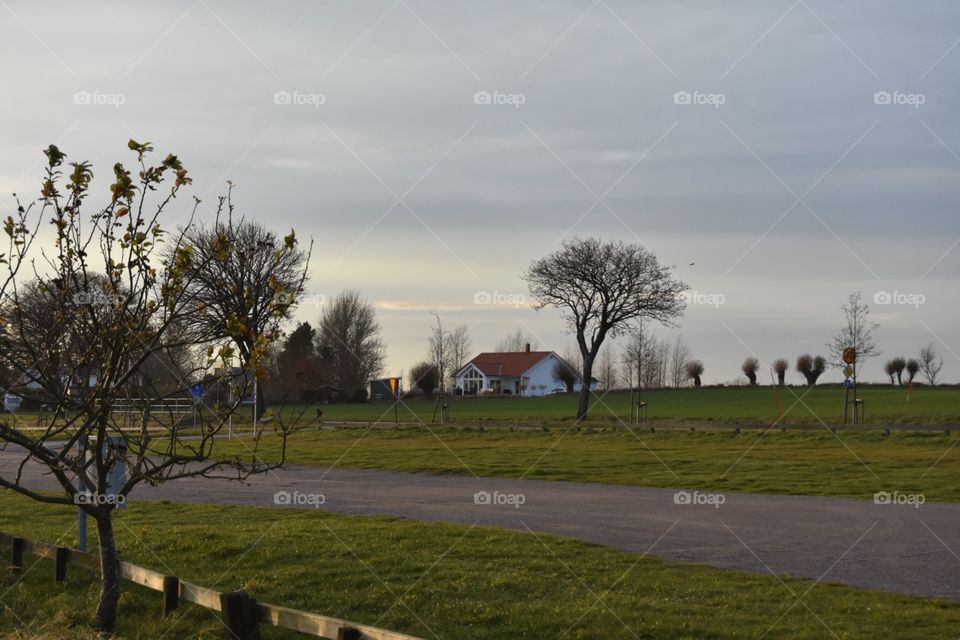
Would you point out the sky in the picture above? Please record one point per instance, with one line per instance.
(781, 154)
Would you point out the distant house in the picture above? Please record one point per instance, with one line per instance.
(520, 373)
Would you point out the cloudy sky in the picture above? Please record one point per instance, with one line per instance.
(790, 151)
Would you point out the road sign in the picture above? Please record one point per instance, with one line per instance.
(197, 390)
(849, 355)
(848, 371)
(848, 383)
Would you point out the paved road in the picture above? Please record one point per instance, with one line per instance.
(895, 548)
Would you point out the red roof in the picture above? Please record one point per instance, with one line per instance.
(511, 363)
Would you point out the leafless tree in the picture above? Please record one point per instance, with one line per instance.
(694, 369)
(679, 357)
(930, 364)
(913, 367)
(607, 368)
(348, 342)
(426, 377)
(811, 367)
(565, 374)
(112, 303)
(780, 366)
(519, 340)
(857, 332)
(602, 289)
(899, 364)
(245, 284)
(460, 343)
(749, 368)
(890, 370)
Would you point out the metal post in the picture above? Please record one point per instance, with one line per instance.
(81, 514)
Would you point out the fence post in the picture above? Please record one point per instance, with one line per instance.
(240, 617)
(60, 564)
(16, 554)
(171, 594)
(348, 633)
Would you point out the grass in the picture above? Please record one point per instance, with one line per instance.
(435, 580)
(798, 404)
(855, 463)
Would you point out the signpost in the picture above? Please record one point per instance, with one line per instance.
(849, 357)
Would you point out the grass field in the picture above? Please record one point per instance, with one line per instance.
(435, 581)
(797, 404)
(854, 463)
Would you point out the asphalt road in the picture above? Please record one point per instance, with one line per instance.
(898, 548)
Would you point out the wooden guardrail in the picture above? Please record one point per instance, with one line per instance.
(240, 613)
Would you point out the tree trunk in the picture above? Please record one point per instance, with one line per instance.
(584, 403)
(781, 379)
(106, 616)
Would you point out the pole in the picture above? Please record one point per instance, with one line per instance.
(81, 514)
(255, 404)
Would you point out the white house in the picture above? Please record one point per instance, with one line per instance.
(520, 373)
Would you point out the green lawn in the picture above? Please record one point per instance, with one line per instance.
(813, 462)
(435, 580)
(797, 404)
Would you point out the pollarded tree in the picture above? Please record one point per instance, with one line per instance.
(694, 369)
(811, 368)
(913, 368)
(110, 304)
(425, 376)
(899, 364)
(245, 282)
(564, 374)
(780, 366)
(602, 289)
(890, 369)
(749, 368)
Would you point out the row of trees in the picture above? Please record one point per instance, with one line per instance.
(928, 364)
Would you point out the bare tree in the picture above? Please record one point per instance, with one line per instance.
(780, 366)
(811, 367)
(349, 344)
(519, 340)
(111, 303)
(565, 374)
(899, 364)
(245, 282)
(694, 369)
(607, 368)
(679, 357)
(749, 368)
(913, 367)
(425, 376)
(930, 364)
(857, 332)
(890, 370)
(460, 343)
(602, 288)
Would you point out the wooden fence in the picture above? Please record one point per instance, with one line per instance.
(241, 614)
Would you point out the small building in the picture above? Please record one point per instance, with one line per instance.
(385, 389)
(519, 373)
